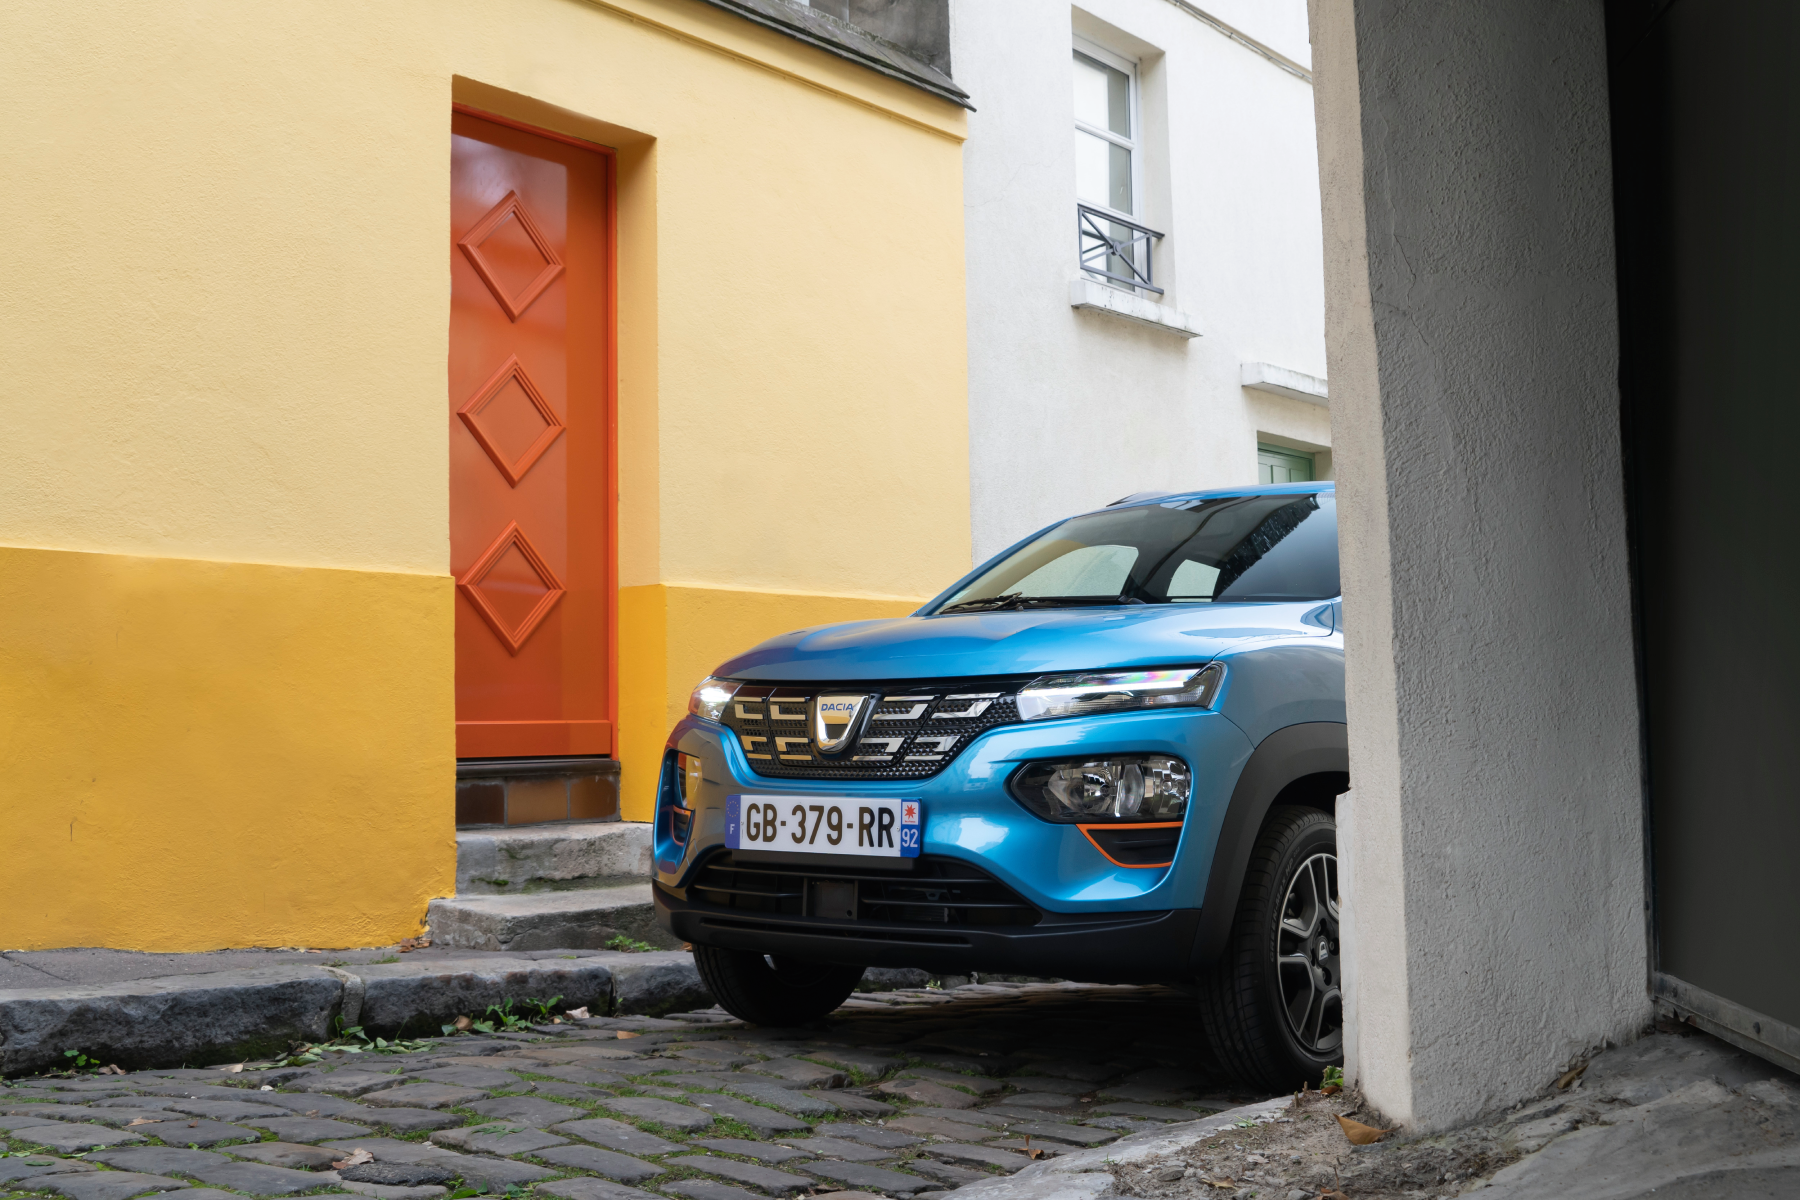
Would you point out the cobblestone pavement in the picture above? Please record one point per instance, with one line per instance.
(902, 1094)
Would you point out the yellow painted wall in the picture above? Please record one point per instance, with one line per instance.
(675, 636)
(224, 308)
(203, 754)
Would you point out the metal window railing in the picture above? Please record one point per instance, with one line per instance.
(1116, 249)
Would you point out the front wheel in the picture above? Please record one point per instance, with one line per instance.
(1273, 1004)
(770, 990)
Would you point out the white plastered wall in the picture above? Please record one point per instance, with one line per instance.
(1493, 851)
(1071, 409)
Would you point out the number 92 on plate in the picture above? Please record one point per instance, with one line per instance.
(825, 825)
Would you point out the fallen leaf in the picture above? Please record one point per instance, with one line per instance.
(230, 1068)
(1333, 1090)
(354, 1158)
(193, 1124)
(1219, 1183)
(311, 1112)
(1571, 1075)
(1360, 1134)
(626, 1033)
(577, 1014)
(462, 1024)
(1333, 1196)
(111, 1069)
(143, 1121)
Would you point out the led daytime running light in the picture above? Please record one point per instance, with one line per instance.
(1090, 692)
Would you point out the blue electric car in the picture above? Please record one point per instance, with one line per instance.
(1109, 754)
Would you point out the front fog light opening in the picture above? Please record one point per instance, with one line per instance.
(1136, 788)
(687, 778)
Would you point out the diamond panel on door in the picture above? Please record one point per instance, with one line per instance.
(530, 442)
(512, 255)
(512, 420)
(512, 587)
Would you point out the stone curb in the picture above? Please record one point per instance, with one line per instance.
(230, 1016)
(200, 1018)
(1082, 1175)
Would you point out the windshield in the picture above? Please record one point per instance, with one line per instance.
(1239, 548)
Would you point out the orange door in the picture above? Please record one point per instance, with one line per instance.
(530, 442)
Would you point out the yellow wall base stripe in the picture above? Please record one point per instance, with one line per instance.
(201, 755)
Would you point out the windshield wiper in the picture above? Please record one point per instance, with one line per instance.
(989, 604)
(1013, 600)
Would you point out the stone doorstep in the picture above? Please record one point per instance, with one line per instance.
(228, 1016)
(581, 919)
(532, 858)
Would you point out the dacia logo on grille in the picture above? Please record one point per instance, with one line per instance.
(835, 720)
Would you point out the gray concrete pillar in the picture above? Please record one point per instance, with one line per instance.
(1493, 845)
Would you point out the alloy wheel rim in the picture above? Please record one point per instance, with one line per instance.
(1308, 966)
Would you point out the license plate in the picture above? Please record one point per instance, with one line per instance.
(824, 825)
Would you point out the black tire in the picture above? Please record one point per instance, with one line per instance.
(766, 990)
(1251, 1000)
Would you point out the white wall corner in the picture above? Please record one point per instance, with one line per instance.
(1092, 294)
(1267, 377)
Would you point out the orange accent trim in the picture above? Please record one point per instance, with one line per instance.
(470, 245)
(470, 586)
(1087, 831)
(522, 127)
(512, 369)
(507, 739)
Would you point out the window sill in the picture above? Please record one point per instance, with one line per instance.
(1099, 297)
(1267, 377)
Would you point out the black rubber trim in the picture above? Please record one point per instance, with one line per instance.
(518, 768)
(1127, 947)
(1294, 752)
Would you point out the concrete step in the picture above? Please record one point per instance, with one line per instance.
(545, 858)
(579, 919)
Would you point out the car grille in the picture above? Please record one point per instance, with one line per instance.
(937, 892)
(915, 730)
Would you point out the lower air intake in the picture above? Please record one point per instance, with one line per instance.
(937, 892)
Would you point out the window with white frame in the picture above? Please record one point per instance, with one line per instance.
(1109, 168)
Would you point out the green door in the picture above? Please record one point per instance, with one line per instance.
(1275, 464)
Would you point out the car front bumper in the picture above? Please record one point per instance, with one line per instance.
(1090, 918)
(1131, 947)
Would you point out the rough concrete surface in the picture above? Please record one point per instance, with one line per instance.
(1493, 854)
(1678, 1113)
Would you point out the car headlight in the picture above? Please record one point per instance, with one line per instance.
(1091, 692)
(710, 698)
(1119, 787)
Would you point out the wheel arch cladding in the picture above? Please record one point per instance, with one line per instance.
(1307, 765)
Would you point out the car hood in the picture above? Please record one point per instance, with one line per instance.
(1028, 642)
